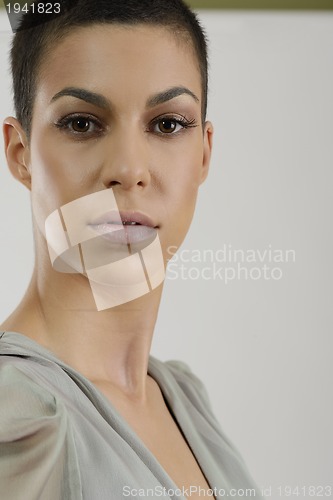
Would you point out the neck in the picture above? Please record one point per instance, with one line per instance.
(109, 346)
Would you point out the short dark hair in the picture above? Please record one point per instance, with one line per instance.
(36, 35)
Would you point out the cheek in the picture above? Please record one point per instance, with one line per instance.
(59, 175)
(181, 167)
(186, 180)
(184, 192)
(182, 182)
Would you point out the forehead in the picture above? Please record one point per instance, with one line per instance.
(136, 59)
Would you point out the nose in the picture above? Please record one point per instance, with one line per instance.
(127, 163)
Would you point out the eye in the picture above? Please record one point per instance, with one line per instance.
(80, 125)
(171, 125)
(167, 126)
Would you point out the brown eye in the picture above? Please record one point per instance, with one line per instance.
(81, 125)
(167, 126)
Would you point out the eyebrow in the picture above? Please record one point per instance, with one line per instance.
(102, 102)
(85, 95)
(169, 94)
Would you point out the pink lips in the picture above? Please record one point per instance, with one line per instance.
(124, 227)
(114, 217)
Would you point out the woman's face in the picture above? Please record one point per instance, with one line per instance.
(120, 107)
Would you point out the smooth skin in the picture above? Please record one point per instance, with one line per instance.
(154, 163)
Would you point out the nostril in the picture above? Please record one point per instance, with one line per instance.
(113, 183)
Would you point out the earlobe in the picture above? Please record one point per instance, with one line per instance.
(17, 150)
(207, 149)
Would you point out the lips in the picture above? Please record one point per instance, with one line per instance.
(125, 227)
(129, 218)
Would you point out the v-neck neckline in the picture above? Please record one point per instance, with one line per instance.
(172, 394)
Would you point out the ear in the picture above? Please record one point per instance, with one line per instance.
(207, 149)
(17, 151)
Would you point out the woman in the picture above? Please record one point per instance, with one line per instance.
(112, 141)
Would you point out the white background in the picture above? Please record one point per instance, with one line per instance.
(262, 347)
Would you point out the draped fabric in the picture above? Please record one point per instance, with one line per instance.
(62, 439)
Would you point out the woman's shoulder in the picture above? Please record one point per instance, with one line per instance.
(185, 375)
(23, 401)
(185, 379)
(193, 389)
(34, 437)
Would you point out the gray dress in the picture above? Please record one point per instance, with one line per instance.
(61, 438)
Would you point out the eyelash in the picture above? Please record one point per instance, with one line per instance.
(63, 124)
(179, 120)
